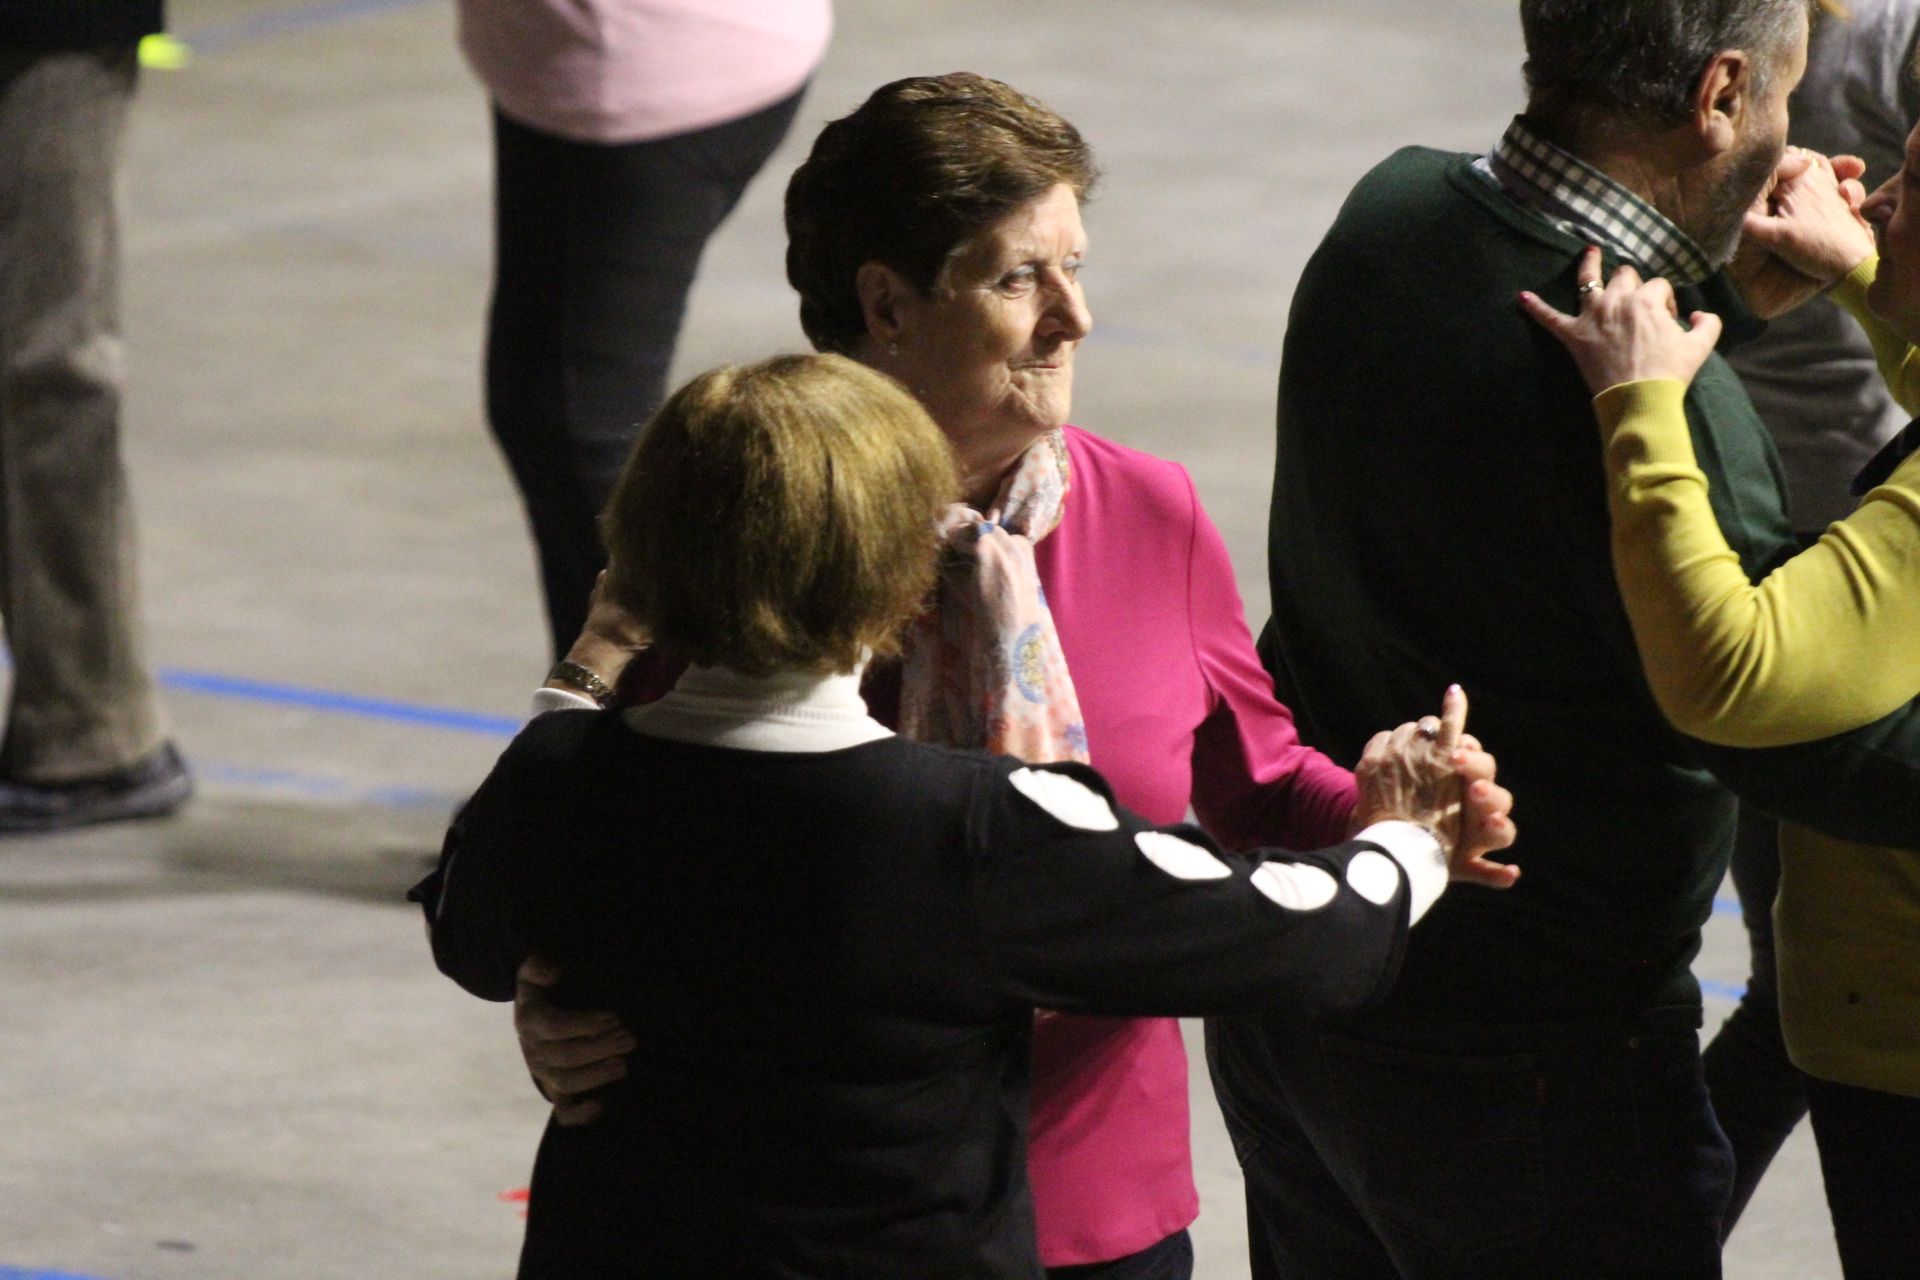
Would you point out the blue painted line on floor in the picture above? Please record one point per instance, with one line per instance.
(1723, 990)
(285, 22)
(17, 1273)
(1726, 907)
(215, 685)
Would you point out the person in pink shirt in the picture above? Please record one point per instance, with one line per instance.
(935, 235)
(624, 133)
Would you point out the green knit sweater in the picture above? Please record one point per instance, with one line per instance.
(1439, 514)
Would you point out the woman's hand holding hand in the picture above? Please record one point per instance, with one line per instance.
(1807, 225)
(1435, 774)
(570, 1052)
(609, 640)
(1627, 331)
(1486, 820)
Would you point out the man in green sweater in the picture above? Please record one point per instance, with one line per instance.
(1528, 1102)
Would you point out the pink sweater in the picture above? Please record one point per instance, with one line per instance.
(1178, 711)
(631, 70)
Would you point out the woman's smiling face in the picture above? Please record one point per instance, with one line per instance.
(989, 351)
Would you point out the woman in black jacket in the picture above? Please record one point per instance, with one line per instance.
(833, 940)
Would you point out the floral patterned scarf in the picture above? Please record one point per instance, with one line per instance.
(983, 667)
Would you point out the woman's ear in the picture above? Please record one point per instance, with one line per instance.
(883, 293)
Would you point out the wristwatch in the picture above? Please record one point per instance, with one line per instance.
(575, 676)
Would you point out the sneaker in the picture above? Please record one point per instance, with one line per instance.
(147, 788)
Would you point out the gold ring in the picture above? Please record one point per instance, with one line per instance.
(1591, 286)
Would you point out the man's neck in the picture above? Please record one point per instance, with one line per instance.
(1628, 154)
(1626, 205)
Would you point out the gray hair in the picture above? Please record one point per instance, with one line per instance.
(1643, 58)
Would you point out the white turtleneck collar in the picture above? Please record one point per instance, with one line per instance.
(788, 711)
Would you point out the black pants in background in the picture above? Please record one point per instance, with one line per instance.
(595, 249)
(1758, 1095)
(1870, 1160)
(1523, 1151)
(1171, 1259)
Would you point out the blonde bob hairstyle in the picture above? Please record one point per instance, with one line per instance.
(780, 516)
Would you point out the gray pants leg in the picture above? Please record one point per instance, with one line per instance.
(82, 701)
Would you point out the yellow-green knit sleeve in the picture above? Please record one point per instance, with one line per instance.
(1828, 642)
(1899, 360)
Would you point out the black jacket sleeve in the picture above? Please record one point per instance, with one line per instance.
(479, 900)
(1863, 785)
(1124, 918)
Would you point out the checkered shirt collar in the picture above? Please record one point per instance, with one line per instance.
(1591, 205)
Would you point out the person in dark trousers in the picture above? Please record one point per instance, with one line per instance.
(85, 741)
(624, 133)
(1823, 645)
(1418, 404)
(1812, 379)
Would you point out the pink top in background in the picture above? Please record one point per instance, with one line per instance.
(1178, 712)
(631, 70)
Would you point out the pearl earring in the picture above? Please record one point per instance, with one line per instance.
(893, 348)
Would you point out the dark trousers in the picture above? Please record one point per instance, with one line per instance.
(595, 249)
(1870, 1159)
(1171, 1259)
(1483, 1155)
(1758, 1095)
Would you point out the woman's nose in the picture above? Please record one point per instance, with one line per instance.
(1878, 207)
(1067, 315)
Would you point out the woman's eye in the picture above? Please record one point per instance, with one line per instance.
(1071, 267)
(1017, 281)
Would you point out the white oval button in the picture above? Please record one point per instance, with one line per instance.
(1295, 886)
(1181, 859)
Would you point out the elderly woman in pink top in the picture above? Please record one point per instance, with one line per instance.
(1087, 610)
(624, 132)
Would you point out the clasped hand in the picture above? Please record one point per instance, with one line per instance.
(1434, 773)
(1803, 233)
(1431, 772)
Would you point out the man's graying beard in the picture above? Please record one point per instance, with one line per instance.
(1726, 210)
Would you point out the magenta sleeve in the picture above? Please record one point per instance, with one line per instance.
(1254, 782)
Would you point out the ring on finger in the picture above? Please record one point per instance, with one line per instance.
(1590, 286)
(1429, 729)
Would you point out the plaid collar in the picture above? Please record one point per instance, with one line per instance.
(1592, 206)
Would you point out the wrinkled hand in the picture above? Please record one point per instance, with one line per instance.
(1628, 331)
(1486, 820)
(570, 1052)
(610, 637)
(1803, 233)
(1436, 774)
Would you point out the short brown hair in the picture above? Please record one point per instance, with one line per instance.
(780, 515)
(921, 167)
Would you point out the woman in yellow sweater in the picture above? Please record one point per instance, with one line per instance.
(1827, 642)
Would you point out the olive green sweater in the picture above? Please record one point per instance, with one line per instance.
(1440, 514)
(1829, 640)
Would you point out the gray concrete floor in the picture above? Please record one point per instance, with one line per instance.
(226, 1053)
